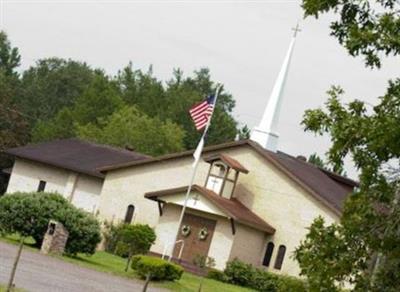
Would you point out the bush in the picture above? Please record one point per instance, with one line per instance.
(83, 228)
(122, 249)
(291, 284)
(264, 281)
(28, 214)
(217, 275)
(126, 239)
(242, 274)
(239, 273)
(158, 269)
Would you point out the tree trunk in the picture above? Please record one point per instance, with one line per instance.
(201, 285)
(146, 284)
(14, 268)
(128, 261)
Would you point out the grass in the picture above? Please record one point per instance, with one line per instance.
(4, 287)
(108, 263)
(190, 282)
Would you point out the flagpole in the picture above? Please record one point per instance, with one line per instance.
(195, 166)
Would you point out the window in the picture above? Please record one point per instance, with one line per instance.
(42, 186)
(129, 214)
(268, 254)
(279, 257)
(221, 169)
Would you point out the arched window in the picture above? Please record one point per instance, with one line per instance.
(268, 254)
(279, 257)
(129, 214)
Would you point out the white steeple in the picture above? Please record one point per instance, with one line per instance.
(266, 132)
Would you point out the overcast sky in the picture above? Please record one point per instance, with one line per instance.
(242, 42)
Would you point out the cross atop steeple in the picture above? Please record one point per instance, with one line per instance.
(266, 133)
(296, 30)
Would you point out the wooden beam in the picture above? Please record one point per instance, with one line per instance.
(160, 208)
(233, 226)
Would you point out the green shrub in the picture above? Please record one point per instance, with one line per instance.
(28, 214)
(242, 274)
(127, 239)
(264, 281)
(239, 273)
(110, 234)
(291, 284)
(158, 269)
(217, 275)
(84, 230)
(122, 249)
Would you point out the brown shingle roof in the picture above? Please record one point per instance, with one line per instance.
(330, 189)
(233, 208)
(231, 162)
(76, 155)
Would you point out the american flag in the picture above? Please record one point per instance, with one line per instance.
(202, 112)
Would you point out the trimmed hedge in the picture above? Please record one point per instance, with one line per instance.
(158, 269)
(242, 274)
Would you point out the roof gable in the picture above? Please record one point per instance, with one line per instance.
(231, 207)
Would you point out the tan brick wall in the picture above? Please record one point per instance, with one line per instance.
(280, 201)
(128, 186)
(248, 245)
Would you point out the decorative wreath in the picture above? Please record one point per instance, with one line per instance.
(203, 233)
(185, 231)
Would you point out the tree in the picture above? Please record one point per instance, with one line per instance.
(13, 123)
(9, 56)
(130, 128)
(28, 214)
(14, 129)
(135, 239)
(142, 90)
(319, 162)
(364, 248)
(203, 263)
(244, 133)
(99, 100)
(182, 93)
(316, 160)
(367, 28)
(51, 85)
(173, 102)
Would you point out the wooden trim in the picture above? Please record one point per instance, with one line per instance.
(235, 182)
(221, 191)
(208, 174)
(233, 226)
(160, 208)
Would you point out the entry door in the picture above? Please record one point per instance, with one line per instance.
(194, 244)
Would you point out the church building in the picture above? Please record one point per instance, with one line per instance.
(249, 200)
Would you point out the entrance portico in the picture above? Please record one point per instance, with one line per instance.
(212, 224)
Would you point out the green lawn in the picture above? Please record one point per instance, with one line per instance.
(105, 262)
(3, 289)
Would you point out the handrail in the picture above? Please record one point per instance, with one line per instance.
(166, 246)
